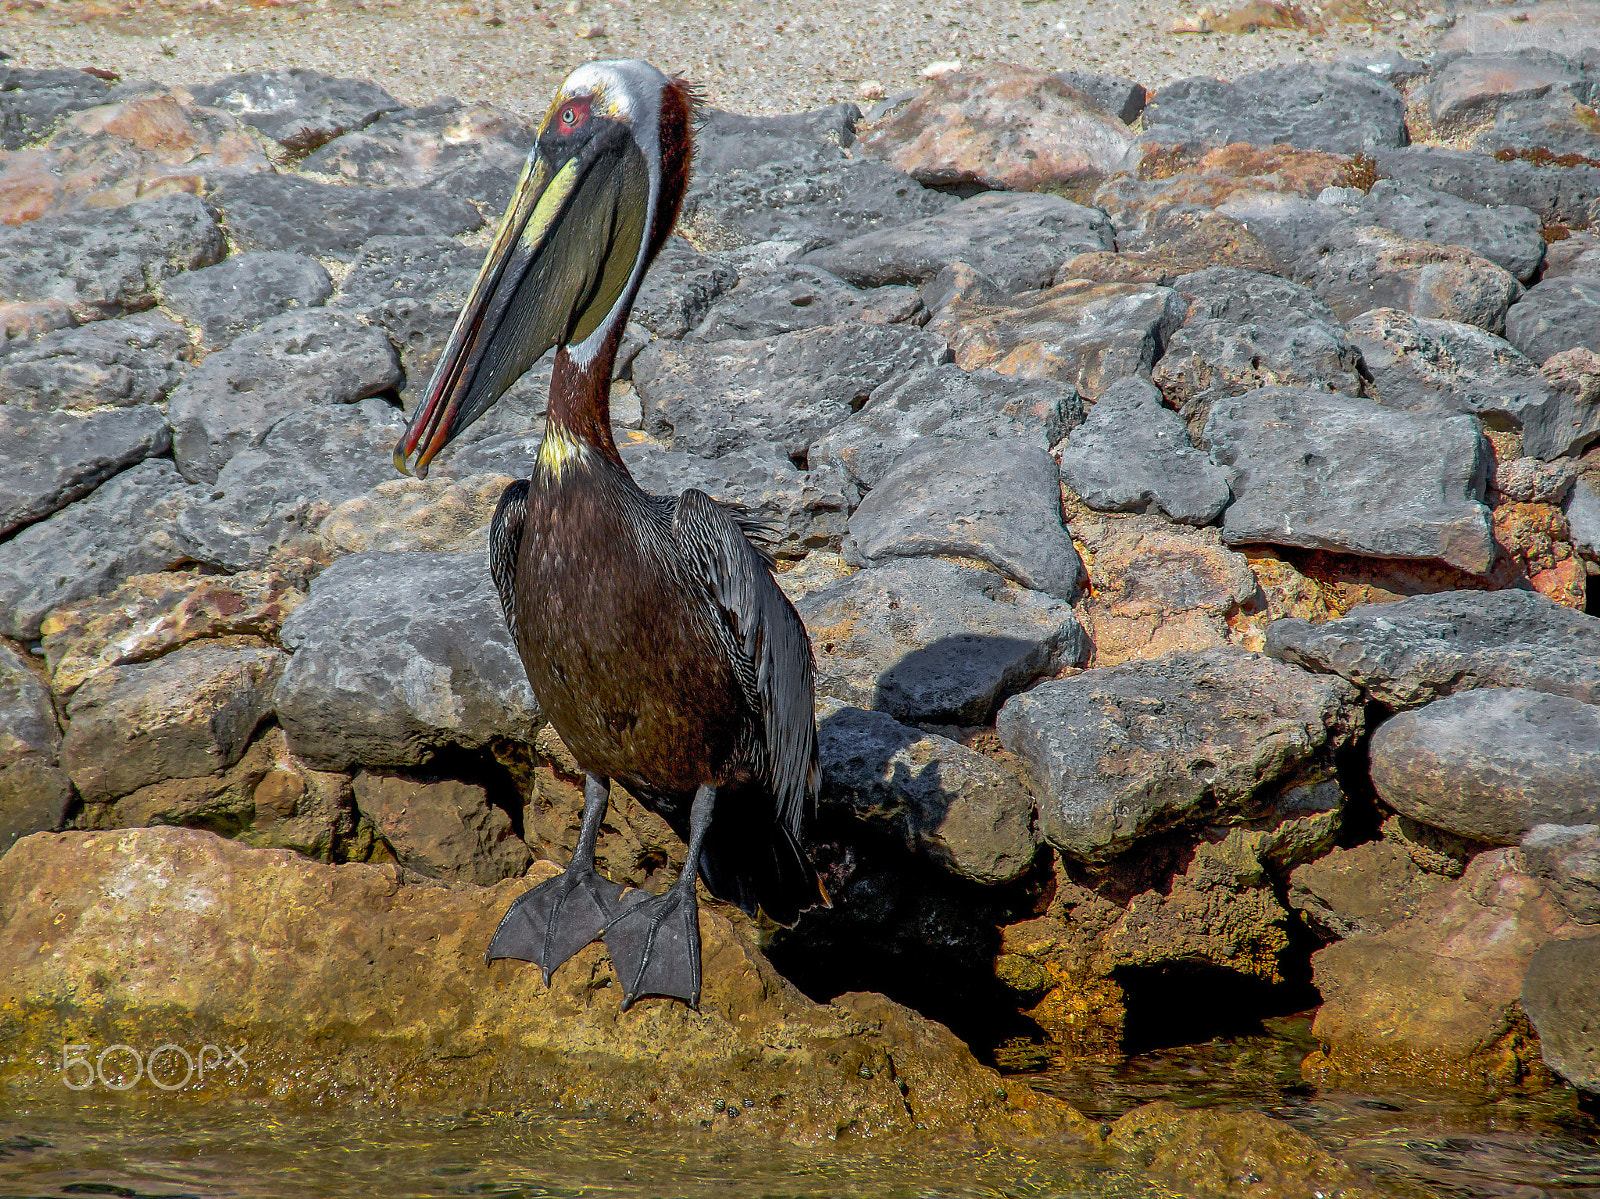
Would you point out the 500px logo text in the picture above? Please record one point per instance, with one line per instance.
(169, 1067)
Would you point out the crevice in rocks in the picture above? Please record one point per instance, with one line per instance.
(482, 768)
(1363, 816)
(1192, 1003)
(1591, 595)
(961, 191)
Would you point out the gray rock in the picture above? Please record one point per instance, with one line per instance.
(108, 262)
(280, 212)
(797, 297)
(1583, 516)
(69, 454)
(186, 714)
(1334, 107)
(711, 399)
(1017, 239)
(298, 107)
(1413, 651)
(1575, 254)
(1348, 475)
(1448, 367)
(1226, 293)
(681, 287)
(1118, 754)
(239, 293)
(1132, 453)
(34, 791)
(1122, 98)
(928, 640)
(993, 501)
(124, 527)
(293, 362)
(1560, 195)
(398, 655)
(731, 141)
(103, 364)
(1290, 226)
(276, 490)
(946, 401)
(1490, 764)
(942, 799)
(1530, 481)
(446, 830)
(1567, 858)
(1563, 1003)
(1558, 314)
(1475, 87)
(1507, 235)
(1559, 123)
(32, 102)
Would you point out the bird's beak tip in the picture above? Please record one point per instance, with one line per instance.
(400, 463)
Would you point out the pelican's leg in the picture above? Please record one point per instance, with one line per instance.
(655, 944)
(551, 922)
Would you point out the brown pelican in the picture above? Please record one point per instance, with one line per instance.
(652, 631)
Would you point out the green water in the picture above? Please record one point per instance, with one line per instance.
(1410, 1143)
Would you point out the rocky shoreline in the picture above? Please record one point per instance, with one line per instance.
(1194, 500)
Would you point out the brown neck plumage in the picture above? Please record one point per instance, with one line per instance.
(580, 396)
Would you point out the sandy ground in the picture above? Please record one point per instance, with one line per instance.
(756, 56)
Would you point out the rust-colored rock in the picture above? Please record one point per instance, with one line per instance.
(446, 830)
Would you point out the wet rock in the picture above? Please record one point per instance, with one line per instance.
(680, 289)
(185, 714)
(1333, 107)
(241, 292)
(297, 107)
(1085, 334)
(797, 297)
(108, 263)
(929, 640)
(1132, 454)
(436, 514)
(1362, 891)
(124, 527)
(1358, 268)
(292, 363)
(1122, 98)
(1491, 764)
(1017, 240)
(1433, 999)
(69, 455)
(1507, 235)
(104, 364)
(1474, 88)
(1559, 196)
(446, 830)
(398, 655)
(1416, 650)
(151, 615)
(992, 501)
(1561, 314)
(1567, 858)
(1559, 997)
(942, 799)
(269, 497)
(1131, 750)
(32, 102)
(1006, 127)
(34, 791)
(946, 401)
(350, 973)
(300, 216)
(789, 389)
(1329, 472)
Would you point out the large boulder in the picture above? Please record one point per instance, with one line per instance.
(1506, 235)
(115, 364)
(1557, 314)
(1563, 1003)
(302, 216)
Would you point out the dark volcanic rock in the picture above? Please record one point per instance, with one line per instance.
(1331, 472)
(994, 501)
(732, 141)
(34, 791)
(279, 212)
(32, 102)
(298, 107)
(239, 293)
(1490, 764)
(1567, 857)
(1019, 240)
(946, 401)
(1474, 87)
(1334, 107)
(928, 640)
(802, 297)
(124, 527)
(65, 455)
(101, 364)
(1132, 453)
(1561, 999)
(961, 809)
(1507, 236)
(680, 289)
(1560, 195)
(1412, 652)
(1560, 123)
(1123, 752)
(1558, 314)
(398, 655)
(107, 262)
(1122, 98)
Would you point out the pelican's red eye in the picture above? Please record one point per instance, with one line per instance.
(572, 116)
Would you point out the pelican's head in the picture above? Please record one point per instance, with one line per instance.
(597, 198)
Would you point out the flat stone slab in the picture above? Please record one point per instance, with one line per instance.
(1558, 314)
(1124, 752)
(1331, 472)
(1559, 197)
(301, 216)
(396, 656)
(241, 292)
(994, 501)
(802, 297)
(69, 454)
(952, 804)
(1561, 1000)
(296, 106)
(1491, 764)
(932, 641)
(1416, 650)
(105, 364)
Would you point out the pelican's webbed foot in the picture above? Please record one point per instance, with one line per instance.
(551, 922)
(655, 946)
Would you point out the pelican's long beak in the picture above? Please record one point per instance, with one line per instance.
(560, 261)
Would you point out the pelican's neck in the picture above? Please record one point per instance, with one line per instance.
(578, 420)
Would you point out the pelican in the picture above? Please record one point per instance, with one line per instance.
(652, 631)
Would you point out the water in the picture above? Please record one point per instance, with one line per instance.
(1539, 1147)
